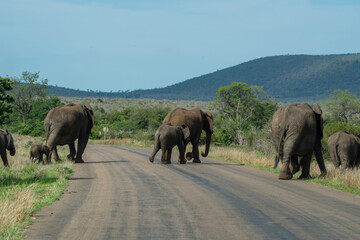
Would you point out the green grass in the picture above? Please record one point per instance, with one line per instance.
(25, 191)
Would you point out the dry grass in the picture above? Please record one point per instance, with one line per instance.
(346, 180)
(240, 155)
(14, 207)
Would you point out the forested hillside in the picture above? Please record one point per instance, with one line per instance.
(286, 78)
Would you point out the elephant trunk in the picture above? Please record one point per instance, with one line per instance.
(207, 148)
(277, 159)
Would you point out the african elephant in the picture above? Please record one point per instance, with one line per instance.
(6, 143)
(64, 124)
(166, 137)
(344, 149)
(196, 120)
(37, 151)
(297, 130)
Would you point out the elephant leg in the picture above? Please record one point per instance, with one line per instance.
(295, 164)
(81, 147)
(181, 154)
(163, 155)
(41, 160)
(56, 156)
(4, 158)
(72, 154)
(195, 151)
(305, 164)
(168, 156)
(189, 155)
(285, 173)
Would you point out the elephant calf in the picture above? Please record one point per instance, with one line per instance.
(37, 151)
(344, 149)
(166, 137)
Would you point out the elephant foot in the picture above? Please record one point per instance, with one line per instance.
(151, 159)
(285, 176)
(182, 162)
(304, 176)
(79, 160)
(196, 161)
(323, 174)
(70, 157)
(189, 156)
(166, 162)
(295, 168)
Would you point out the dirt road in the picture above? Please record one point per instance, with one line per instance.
(119, 194)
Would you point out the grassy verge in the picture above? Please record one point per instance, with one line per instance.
(25, 187)
(347, 181)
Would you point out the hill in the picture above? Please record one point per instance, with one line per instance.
(287, 78)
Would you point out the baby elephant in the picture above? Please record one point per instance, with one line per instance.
(37, 151)
(166, 137)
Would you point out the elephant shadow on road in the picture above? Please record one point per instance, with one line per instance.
(120, 161)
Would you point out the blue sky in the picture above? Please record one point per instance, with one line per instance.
(124, 45)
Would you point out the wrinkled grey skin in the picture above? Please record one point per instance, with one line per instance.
(167, 137)
(6, 143)
(37, 151)
(344, 149)
(297, 131)
(64, 124)
(196, 120)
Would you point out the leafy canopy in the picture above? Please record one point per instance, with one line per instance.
(343, 106)
(25, 90)
(5, 99)
(242, 108)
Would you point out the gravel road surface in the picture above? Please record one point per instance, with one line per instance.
(118, 194)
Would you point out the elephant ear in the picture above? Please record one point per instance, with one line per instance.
(186, 131)
(319, 122)
(210, 120)
(90, 115)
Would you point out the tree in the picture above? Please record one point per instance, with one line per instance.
(343, 106)
(242, 108)
(5, 99)
(25, 91)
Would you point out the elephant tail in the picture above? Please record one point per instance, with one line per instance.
(337, 161)
(280, 149)
(47, 127)
(281, 145)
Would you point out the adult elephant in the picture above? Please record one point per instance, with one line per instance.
(64, 124)
(196, 120)
(297, 130)
(344, 149)
(6, 143)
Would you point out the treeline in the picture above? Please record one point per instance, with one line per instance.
(242, 113)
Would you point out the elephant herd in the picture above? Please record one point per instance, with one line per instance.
(181, 126)
(62, 125)
(297, 130)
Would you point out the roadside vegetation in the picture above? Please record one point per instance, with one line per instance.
(25, 187)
